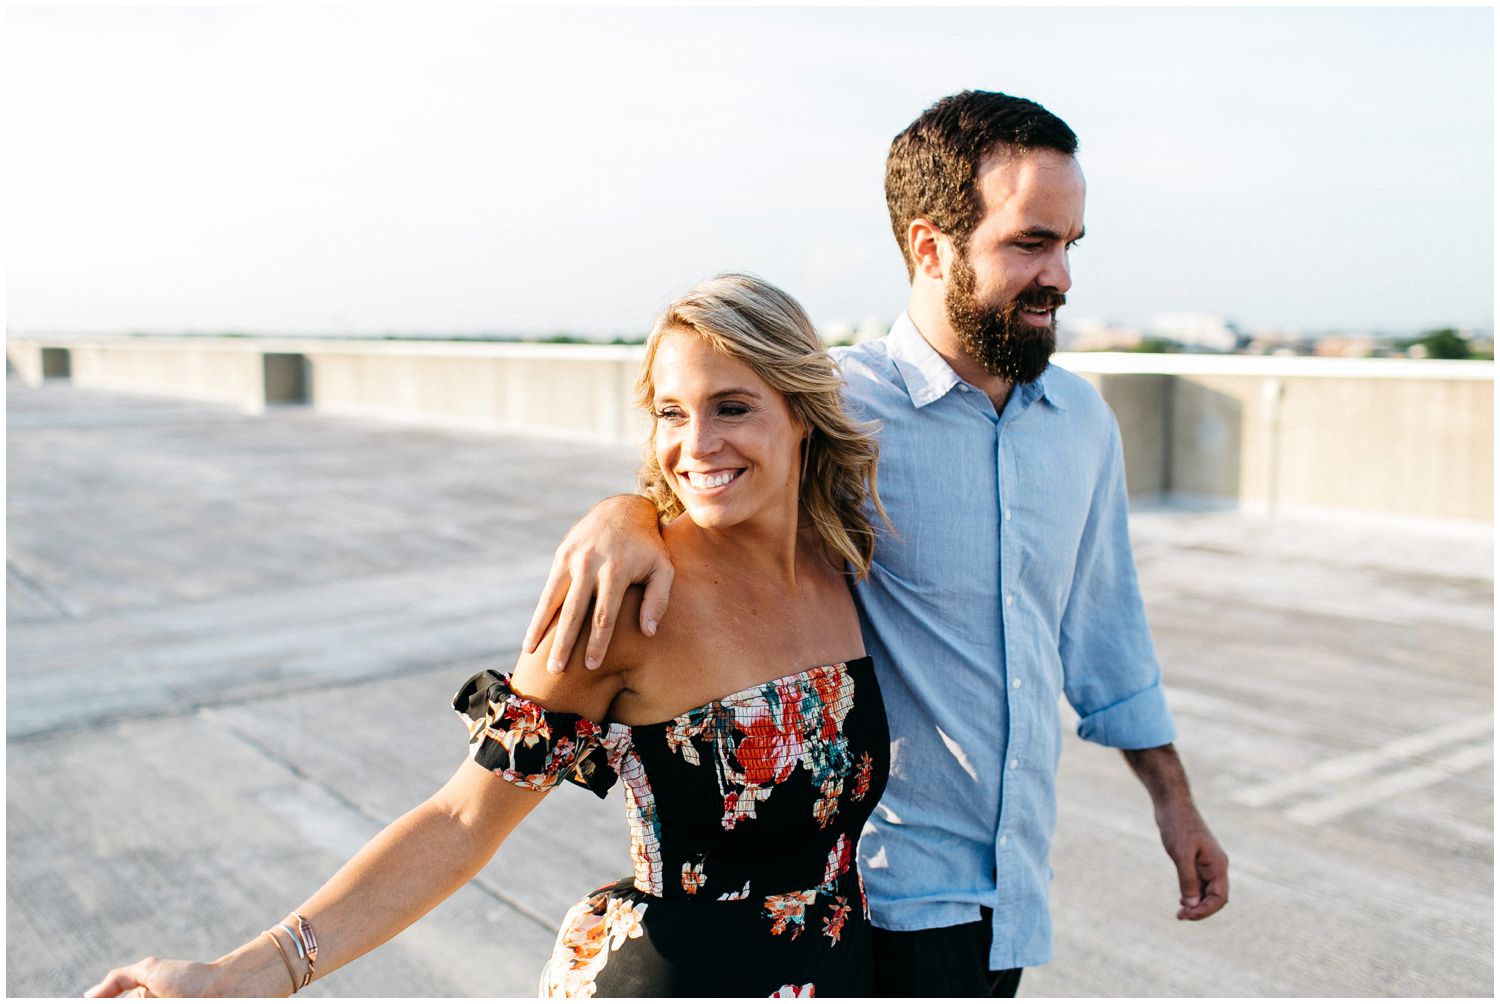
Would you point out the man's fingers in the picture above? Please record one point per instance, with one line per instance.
(658, 593)
(1210, 885)
(1186, 862)
(569, 623)
(606, 610)
(552, 596)
(1214, 873)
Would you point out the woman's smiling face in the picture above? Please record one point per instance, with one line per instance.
(726, 440)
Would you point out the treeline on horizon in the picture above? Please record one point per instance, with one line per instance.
(1437, 343)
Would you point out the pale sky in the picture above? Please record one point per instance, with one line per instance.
(471, 170)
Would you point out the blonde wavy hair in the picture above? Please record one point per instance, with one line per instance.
(751, 321)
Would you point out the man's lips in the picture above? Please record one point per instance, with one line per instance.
(1039, 312)
(1037, 318)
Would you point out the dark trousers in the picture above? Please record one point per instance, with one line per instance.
(940, 962)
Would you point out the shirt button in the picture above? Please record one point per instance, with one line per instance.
(1007, 515)
(1004, 839)
(1015, 684)
(1010, 599)
(1014, 763)
(963, 388)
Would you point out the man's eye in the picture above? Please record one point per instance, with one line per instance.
(1029, 246)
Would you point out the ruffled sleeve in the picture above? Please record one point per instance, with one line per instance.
(527, 745)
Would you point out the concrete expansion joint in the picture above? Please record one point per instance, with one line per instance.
(42, 591)
(222, 724)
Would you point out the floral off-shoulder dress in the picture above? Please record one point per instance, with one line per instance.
(743, 814)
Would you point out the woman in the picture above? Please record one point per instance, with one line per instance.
(748, 731)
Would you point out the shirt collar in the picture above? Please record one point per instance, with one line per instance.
(928, 376)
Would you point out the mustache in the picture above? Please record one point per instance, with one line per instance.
(1041, 299)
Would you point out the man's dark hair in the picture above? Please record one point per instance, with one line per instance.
(931, 167)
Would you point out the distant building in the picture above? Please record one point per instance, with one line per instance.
(1277, 343)
(845, 332)
(1196, 331)
(1351, 346)
(1092, 335)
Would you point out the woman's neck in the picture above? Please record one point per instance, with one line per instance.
(765, 550)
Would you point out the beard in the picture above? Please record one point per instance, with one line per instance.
(999, 339)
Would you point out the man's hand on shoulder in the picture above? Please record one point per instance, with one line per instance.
(1202, 866)
(615, 544)
(589, 694)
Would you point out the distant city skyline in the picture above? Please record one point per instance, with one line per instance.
(525, 171)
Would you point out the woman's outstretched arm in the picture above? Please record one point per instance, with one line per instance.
(407, 869)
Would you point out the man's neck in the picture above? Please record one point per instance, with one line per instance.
(931, 319)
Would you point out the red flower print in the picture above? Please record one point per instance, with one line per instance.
(833, 925)
(692, 877)
(525, 724)
(838, 860)
(769, 751)
(789, 911)
(740, 805)
(792, 990)
(862, 779)
(825, 809)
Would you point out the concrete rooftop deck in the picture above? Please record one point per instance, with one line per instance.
(232, 641)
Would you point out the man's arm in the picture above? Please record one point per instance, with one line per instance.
(1202, 865)
(615, 544)
(1112, 679)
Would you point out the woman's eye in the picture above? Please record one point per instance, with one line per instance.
(668, 415)
(733, 410)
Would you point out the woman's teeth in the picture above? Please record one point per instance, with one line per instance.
(698, 480)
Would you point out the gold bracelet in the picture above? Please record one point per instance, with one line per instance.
(288, 961)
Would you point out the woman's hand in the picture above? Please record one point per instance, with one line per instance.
(153, 977)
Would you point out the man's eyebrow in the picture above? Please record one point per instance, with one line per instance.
(1043, 234)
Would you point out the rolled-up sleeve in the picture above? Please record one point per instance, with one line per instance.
(1110, 672)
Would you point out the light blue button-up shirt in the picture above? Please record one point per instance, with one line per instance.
(1009, 580)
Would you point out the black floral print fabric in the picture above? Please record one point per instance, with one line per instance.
(744, 815)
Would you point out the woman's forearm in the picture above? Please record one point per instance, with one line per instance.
(403, 872)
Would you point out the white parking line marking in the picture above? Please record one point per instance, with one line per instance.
(1364, 762)
(1325, 809)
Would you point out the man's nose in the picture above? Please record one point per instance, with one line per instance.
(1056, 272)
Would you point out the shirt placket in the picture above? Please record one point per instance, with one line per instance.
(1016, 734)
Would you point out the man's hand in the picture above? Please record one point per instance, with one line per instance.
(615, 544)
(1202, 866)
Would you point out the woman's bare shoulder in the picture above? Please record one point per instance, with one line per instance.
(578, 689)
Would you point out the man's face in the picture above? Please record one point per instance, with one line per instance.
(1004, 288)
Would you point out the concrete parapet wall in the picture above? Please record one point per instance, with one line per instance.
(581, 392)
(1415, 438)
(227, 370)
(232, 376)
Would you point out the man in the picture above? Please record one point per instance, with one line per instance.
(1009, 578)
